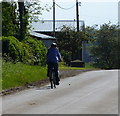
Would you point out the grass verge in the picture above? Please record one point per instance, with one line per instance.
(87, 66)
(15, 75)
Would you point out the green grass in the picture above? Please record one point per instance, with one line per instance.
(87, 66)
(15, 75)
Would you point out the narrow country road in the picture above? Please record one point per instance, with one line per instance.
(94, 92)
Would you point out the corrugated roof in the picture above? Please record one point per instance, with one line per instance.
(43, 36)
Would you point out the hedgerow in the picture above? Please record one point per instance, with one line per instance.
(37, 50)
(30, 51)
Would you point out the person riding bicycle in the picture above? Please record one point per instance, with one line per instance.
(53, 57)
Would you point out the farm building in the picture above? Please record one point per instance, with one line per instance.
(47, 40)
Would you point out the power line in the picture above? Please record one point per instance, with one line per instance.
(65, 8)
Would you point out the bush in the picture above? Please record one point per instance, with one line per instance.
(30, 51)
(37, 50)
(12, 49)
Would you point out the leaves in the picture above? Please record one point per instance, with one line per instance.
(16, 21)
(9, 19)
(29, 51)
(69, 40)
(105, 51)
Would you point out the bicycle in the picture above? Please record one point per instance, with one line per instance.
(52, 78)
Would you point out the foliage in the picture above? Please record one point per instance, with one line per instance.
(30, 51)
(15, 22)
(91, 33)
(28, 12)
(34, 9)
(105, 51)
(38, 51)
(12, 48)
(70, 41)
(66, 56)
(16, 18)
(9, 19)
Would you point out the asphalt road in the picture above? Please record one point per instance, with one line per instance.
(94, 92)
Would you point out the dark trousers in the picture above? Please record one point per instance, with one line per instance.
(55, 66)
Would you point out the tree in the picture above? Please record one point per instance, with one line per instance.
(70, 41)
(16, 20)
(28, 12)
(9, 19)
(23, 19)
(91, 32)
(105, 51)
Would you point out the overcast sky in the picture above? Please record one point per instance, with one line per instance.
(91, 11)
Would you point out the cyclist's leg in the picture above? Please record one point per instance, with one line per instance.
(49, 68)
(56, 73)
(49, 73)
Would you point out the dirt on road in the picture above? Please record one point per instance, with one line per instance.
(63, 74)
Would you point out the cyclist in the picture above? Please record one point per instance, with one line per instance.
(53, 57)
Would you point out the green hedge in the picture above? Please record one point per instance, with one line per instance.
(37, 50)
(12, 49)
(30, 51)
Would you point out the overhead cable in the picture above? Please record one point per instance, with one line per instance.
(64, 8)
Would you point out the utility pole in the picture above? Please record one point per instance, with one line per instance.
(77, 18)
(83, 44)
(53, 18)
(77, 15)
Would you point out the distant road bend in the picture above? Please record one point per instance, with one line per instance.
(94, 92)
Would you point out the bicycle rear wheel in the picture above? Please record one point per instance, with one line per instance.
(52, 79)
(51, 84)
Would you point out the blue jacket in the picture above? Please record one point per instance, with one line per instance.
(53, 55)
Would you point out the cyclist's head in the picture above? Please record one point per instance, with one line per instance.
(53, 45)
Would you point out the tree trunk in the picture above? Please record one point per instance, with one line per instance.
(21, 17)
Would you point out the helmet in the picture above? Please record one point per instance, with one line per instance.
(53, 45)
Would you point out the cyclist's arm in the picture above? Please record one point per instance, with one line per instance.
(59, 57)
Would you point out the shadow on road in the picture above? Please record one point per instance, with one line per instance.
(44, 88)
